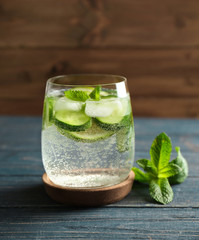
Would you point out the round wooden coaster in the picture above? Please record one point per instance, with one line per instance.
(88, 197)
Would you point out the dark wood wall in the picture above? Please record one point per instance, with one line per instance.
(155, 44)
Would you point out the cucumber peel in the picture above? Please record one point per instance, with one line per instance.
(120, 116)
(72, 121)
(92, 134)
(113, 124)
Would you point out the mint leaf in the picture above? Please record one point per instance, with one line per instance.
(77, 95)
(160, 151)
(182, 163)
(170, 170)
(141, 176)
(82, 96)
(160, 190)
(95, 94)
(147, 165)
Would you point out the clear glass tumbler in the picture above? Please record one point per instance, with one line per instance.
(87, 130)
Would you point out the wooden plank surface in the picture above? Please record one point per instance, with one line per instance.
(155, 45)
(28, 191)
(151, 72)
(97, 23)
(27, 212)
(157, 79)
(100, 223)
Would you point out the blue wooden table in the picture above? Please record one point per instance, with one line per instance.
(26, 212)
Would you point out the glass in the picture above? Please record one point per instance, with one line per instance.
(87, 130)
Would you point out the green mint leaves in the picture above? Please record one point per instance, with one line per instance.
(160, 190)
(181, 162)
(159, 171)
(77, 95)
(95, 94)
(160, 151)
(82, 96)
(141, 176)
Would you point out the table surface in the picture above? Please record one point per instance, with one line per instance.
(26, 212)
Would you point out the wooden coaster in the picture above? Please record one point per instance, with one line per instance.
(88, 197)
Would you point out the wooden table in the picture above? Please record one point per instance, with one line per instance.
(26, 212)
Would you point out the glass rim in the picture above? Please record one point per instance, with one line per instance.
(112, 79)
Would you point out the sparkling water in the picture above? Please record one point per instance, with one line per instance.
(76, 163)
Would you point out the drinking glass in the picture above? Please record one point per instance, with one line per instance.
(87, 130)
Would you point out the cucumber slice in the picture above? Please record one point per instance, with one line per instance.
(93, 134)
(86, 89)
(108, 93)
(108, 96)
(72, 121)
(48, 111)
(120, 116)
(103, 94)
(113, 122)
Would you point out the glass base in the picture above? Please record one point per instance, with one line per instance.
(89, 178)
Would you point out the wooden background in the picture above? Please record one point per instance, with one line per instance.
(155, 44)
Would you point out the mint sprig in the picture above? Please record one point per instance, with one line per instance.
(82, 96)
(159, 171)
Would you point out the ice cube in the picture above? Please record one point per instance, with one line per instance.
(64, 103)
(103, 108)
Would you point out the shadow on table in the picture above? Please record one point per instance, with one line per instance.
(31, 209)
(24, 196)
(139, 196)
(35, 196)
(31, 204)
